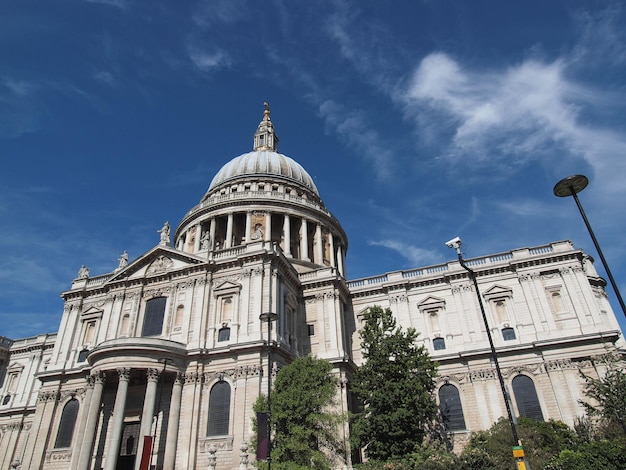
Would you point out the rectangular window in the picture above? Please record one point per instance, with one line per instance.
(508, 334)
(439, 344)
(153, 318)
(311, 329)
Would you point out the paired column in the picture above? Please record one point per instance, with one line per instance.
(148, 412)
(171, 440)
(196, 242)
(248, 226)
(268, 226)
(319, 247)
(229, 232)
(118, 419)
(304, 241)
(287, 236)
(87, 426)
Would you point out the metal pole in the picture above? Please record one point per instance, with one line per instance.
(597, 245)
(493, 351)
(269, 395)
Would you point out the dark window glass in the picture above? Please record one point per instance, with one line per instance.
(451, 408)
(153, 319)
(219, 409)
(66, 426)
(526, 398)
(311, 329)
(439, 344)
(6, 399)
(223, 334)
(82, 356)
(508, 334)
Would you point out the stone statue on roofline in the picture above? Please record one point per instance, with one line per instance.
(165, 234)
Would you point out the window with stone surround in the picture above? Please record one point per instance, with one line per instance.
(67, 424)
(153, 317)
(526, 398)
(451, 408)
(508, 334)
(439, 344)
(219, 409)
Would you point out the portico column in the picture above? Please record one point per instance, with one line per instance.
(268, 226)
(248, 226)
(319, 255)
(118, 418)
(287, 236)
(304, 241)
(229, 232)
(172, 427)
(87, 429)
(148, 412)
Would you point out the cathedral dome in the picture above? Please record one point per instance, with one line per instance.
(263, 163)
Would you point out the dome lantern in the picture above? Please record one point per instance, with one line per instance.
(265, 138)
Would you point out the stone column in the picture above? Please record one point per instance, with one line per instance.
(229, 232)
(268, 226)
(171, 440)
(331, 250)
(196, 242)
(248, 226)
(148, 412)
(318, 257)
(304, 241)
(287, 236)
(340, 261)
(118, 419)
(87, 429)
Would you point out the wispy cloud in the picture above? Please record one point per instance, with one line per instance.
(353, 129)
(122, 4)
(415, 255)
(210, 12)
(205, 60)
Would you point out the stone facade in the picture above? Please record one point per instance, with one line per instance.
(172, 346)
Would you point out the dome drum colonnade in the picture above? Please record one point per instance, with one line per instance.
(265, 196)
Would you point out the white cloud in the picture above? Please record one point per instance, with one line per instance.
(208, 60)
(122, 4)
(415, 255)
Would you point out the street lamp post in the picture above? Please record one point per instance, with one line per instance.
(570, 186)
(518, 452)
(269, 317)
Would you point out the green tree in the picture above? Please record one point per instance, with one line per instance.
(543, 440)
(304, 427)
(395, 385)
(608, 395)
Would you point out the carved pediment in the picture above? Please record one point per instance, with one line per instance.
(431, 302)
(91, 312)
(158, 261)
(498, 291)
(227, 287)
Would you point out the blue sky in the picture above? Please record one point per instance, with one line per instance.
(419, 121)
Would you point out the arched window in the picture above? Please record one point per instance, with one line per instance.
(153, 318)
(178, 318)
(219, 409)
(451, 408)
(66, 426)
(526, 398)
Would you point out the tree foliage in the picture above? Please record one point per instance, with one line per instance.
(543, 441)
(608, 396)
(395, 385)
(303, 426)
